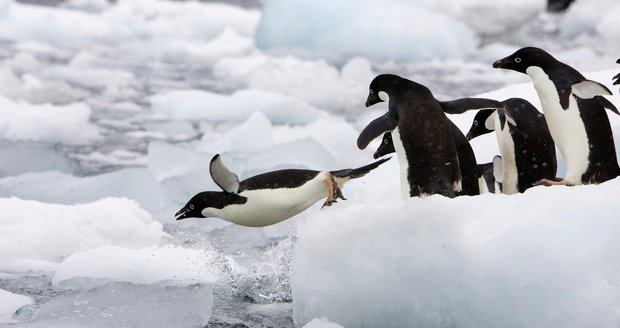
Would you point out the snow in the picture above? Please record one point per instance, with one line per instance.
(131, 99)
(346, 28)
(522, 262)
(139, 266)
(322, 323)
(44, 231)
(22, 121)
(203, 105)
(9, 303)
(129, 305)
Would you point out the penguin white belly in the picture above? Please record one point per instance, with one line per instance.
(566, 126)
(482, 185)
(269, 206)
(403, 163)
(510, 177)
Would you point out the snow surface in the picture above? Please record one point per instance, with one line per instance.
(111, 111)
(9, 303)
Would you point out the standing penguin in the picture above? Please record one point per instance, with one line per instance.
(464, 153)
(526, 146)
(575, 114)
(421, 135)
(267, 198)
(490, 176)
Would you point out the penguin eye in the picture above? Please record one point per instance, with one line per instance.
(385, 141)
(191, 206)
(517, 60)
(475, 123)
(371, 92)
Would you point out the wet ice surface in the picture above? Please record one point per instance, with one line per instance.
(145, 94)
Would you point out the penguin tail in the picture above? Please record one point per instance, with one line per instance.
(348, 174)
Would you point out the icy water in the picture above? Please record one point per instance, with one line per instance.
(253, 288)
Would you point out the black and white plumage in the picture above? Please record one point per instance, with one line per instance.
(464, 152)
(421, 135)
(575, 113)
(616, 78)
(526, 146)
(268, 198)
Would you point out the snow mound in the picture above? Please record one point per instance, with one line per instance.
(9, 303)
(376, 29)
(24, 121)
(41, 231)
(322, 323)
(176, 265)
(538, 259)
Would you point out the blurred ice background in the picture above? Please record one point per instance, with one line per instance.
(111, 111)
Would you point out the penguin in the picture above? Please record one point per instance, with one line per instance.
(575, 114)
(421, 136)
(464, 153)
(617, 77)
(526, 146)
(268, 198)
(490, 176)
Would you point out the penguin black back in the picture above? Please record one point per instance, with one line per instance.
(422, 136)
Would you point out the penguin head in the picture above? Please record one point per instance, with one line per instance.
(524, 58)
(381, 87)
(484, 122)
(206, 202)
(386, 147)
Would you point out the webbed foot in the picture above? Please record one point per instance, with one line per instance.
(333, 192)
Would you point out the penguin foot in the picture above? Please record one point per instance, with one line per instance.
(547, 183)
(333, 192)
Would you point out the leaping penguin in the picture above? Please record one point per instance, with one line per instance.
(575, 114)
(268, 198)
(527, 149)
(421, 135)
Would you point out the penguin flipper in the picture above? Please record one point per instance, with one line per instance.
(498, 169)
(607, 104)
(228, 181)
(377, 127)
(460, 106)
(588, 89)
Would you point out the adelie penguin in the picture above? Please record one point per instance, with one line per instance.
(617, 77)
(268, 198)
(464, 152)
(421, 135)
(575, 114)
(526, 146)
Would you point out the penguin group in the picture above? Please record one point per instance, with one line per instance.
(435, 157)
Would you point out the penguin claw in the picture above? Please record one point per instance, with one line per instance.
(333, 192)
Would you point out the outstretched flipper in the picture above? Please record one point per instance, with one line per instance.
(336, 179)
(377, 127)
(228, 181)
(460, 106)
(588, 89)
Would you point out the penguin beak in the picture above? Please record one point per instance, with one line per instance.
(469, 136)
(502, 63)
(376, 155)
(182, 214)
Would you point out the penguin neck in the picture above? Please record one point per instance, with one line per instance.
(565, 125)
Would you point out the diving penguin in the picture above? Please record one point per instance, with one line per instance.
(268, 198)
